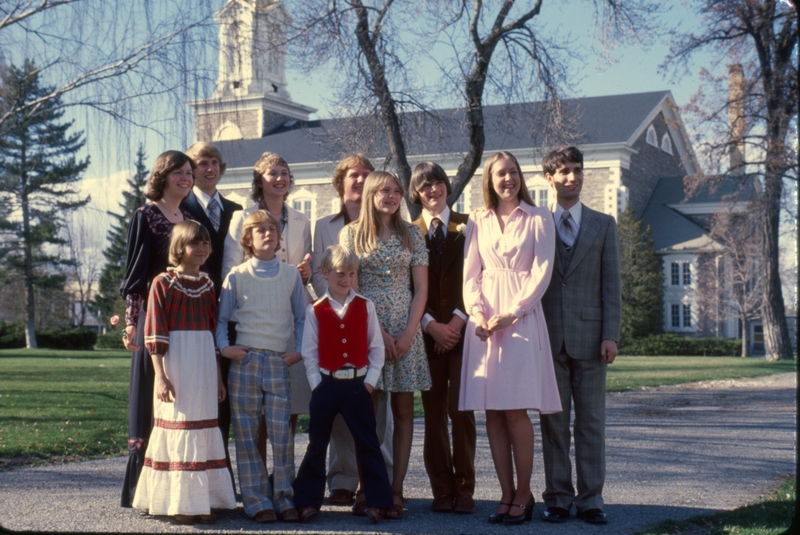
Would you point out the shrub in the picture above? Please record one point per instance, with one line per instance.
(12, 336)
(675, 344)
(110, 340)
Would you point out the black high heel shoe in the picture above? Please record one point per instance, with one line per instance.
(525, 516)
(497, 518)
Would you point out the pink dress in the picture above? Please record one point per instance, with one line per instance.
(509, 272)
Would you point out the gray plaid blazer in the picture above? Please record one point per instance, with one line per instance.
(582, 303)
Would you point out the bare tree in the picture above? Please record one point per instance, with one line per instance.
(496, 49)
(82, 251)
(761, 35)
(98, 55)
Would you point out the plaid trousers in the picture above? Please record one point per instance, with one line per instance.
(261, 379)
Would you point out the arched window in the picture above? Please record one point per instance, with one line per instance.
(666, 144)
(651, 138)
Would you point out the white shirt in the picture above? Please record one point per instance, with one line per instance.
(575, 213)
(428, 217)
(205, 198)
(310, 349)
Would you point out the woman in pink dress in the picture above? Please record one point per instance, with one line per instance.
(507, 367)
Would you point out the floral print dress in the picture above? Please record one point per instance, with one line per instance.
(384, 276)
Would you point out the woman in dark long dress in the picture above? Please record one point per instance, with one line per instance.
(148, 242)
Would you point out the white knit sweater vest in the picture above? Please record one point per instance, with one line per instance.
(264, 307)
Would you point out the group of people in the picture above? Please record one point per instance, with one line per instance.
(512, 308)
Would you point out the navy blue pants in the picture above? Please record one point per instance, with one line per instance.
(349, 398)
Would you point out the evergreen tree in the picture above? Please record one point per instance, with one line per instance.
(107, 301)
(39, 172)
(642, 280)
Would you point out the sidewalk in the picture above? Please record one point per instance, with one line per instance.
(672, 452)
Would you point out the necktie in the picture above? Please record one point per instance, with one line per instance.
(213, 213)
(567, 234)
(438, 238)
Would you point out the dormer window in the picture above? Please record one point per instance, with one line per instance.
(666, 144)
(651, 138)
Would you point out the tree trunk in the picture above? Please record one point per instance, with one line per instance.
(745, 335)
(773, 311)
(30, 306)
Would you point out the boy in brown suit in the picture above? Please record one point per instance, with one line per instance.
(451, 472)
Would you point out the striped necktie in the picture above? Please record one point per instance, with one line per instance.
(566, 233)
(213, 213)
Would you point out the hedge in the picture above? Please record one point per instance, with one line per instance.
(110, 340)
(12, 336)
(675, 344)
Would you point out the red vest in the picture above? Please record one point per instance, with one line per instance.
(342, 340)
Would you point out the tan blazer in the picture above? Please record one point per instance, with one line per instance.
(326, 233)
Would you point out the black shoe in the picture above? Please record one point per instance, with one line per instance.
(497, 518)
(524, 516)
(593, 516)
(555, 515)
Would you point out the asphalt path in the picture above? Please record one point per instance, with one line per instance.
(672, 452)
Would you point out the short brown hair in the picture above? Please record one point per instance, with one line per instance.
(426, 173)
(339, 257)
(166, 163)
(349, 161)
(267, 160)
(183, 234)
(489, 194)
(253, 220)
(559, 156)
(201, 149)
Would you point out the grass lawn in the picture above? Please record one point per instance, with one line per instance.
(770, 516)
(72, 405)
(62, 405)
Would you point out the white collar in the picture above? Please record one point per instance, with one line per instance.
(205, 198)
(336, 305)
(444, 217)
(576, 212)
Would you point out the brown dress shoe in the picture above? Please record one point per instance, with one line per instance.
(184, 519)
(341, 497)
(360, 507)
(374, 514)
(290, 515)
(442, 504)
(207, 519)
(307, 514)
(265, 516)
(464, 505)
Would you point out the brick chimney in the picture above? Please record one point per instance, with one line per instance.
(736, 118)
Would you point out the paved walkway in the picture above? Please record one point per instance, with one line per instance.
(673, 452)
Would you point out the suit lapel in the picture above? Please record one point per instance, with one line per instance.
(451, 248)
(192, 203)
(586, 237)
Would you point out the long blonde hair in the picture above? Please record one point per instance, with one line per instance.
(489, 194)
(368, 226)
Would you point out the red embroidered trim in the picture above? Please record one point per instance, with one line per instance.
(196, 424)
(177, 466)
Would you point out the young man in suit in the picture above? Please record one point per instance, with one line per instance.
(451, 472)
(214, 212)
(348, 180)
(582, 310)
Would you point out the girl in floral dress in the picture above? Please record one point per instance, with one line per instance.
(184, 474)
(392, 254)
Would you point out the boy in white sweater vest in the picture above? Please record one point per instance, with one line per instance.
(266, 296)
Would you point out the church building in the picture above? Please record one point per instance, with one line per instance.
(635, 145)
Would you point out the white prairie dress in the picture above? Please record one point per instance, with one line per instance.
(184, 469)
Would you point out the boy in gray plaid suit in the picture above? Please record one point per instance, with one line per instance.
(582, 310)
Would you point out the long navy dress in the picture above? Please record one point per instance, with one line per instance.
(148, 253)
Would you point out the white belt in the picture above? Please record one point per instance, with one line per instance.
(345, 373)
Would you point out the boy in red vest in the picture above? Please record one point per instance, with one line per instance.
(343, 353)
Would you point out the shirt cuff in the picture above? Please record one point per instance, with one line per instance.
(373, 374)
(461, 315)
(426, 319)
(518, 312)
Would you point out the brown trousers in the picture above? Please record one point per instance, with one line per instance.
(451, 472)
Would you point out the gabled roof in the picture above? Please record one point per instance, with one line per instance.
(669, 213)
(598, 120)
